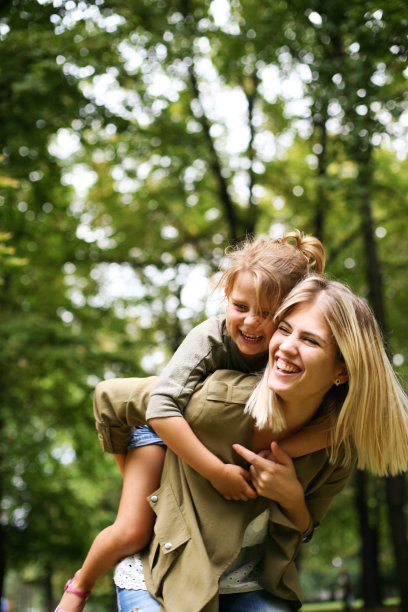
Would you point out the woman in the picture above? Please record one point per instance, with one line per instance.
(326, 364)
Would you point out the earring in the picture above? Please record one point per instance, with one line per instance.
(337, 382)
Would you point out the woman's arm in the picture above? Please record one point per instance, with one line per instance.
(275, 478)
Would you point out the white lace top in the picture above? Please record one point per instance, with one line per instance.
(240, 577)
(129, 574)
(242, 574)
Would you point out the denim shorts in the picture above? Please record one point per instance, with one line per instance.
(143, 436)
(255, 601)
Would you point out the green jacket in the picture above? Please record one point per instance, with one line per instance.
(197, 533)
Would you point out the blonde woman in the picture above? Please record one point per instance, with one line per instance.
(327, 364)
(260, 273)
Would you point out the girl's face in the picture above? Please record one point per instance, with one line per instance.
(250, 330)
(303, 357)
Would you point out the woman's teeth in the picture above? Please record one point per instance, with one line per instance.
(286, 367)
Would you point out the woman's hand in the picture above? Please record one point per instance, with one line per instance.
(273, 476)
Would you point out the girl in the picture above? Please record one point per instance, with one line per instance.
(260, 274)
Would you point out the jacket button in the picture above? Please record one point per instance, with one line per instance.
(168, 545)
(154, 498)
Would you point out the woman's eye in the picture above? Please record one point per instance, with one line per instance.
(283, 329)
(265, 314)
(240, 306)
(312, 341)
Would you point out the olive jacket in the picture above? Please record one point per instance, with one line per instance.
(197, 533)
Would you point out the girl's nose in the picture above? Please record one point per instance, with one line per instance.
(252, 319)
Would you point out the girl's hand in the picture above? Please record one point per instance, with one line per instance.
(233, 482)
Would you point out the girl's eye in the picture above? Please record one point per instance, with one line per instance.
(265, 314)
(283, 329)
(240, 306)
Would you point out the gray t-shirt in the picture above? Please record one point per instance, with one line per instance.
(208, 347)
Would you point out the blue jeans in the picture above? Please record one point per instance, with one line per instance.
(255, 601)
(128, 600)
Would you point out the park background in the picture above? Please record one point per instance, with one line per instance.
(139, 139)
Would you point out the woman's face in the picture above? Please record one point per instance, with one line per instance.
(303, 357)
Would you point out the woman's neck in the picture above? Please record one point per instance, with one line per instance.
(297, 413)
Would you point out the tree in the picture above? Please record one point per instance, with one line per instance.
(139, 139)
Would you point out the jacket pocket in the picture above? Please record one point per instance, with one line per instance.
(170, 535)
(225, 391)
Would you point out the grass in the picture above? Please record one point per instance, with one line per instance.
(390, 605)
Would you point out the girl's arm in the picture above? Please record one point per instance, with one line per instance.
(201, 353)
(312, 438)
(232, 481)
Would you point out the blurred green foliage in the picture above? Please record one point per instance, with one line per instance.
(138, 139)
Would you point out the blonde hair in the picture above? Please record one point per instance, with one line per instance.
(370, 411)
(276, 264)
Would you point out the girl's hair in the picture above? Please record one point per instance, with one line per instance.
(276, 264)
(370, 411)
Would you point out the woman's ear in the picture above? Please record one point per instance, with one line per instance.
(342, 375)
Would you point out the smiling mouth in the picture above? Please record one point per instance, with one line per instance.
(251, 339)
(286, 367)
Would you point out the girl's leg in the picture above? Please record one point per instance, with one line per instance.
(133, 525)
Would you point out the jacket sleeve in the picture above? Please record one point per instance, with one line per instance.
(119, 405)
(200, 353)
(320, 496)
(321, 481)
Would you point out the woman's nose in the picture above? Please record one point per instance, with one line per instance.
(288, 344)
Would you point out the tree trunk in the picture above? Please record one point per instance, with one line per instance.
(371, 582)
(215, 161)
(2, 534)
(49, 600)
(321, 174)
(395, 490)
(250, 89)
(2, 560)
(395, 493)
(224, 196)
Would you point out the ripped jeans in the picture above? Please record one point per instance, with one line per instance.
(129, 600)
